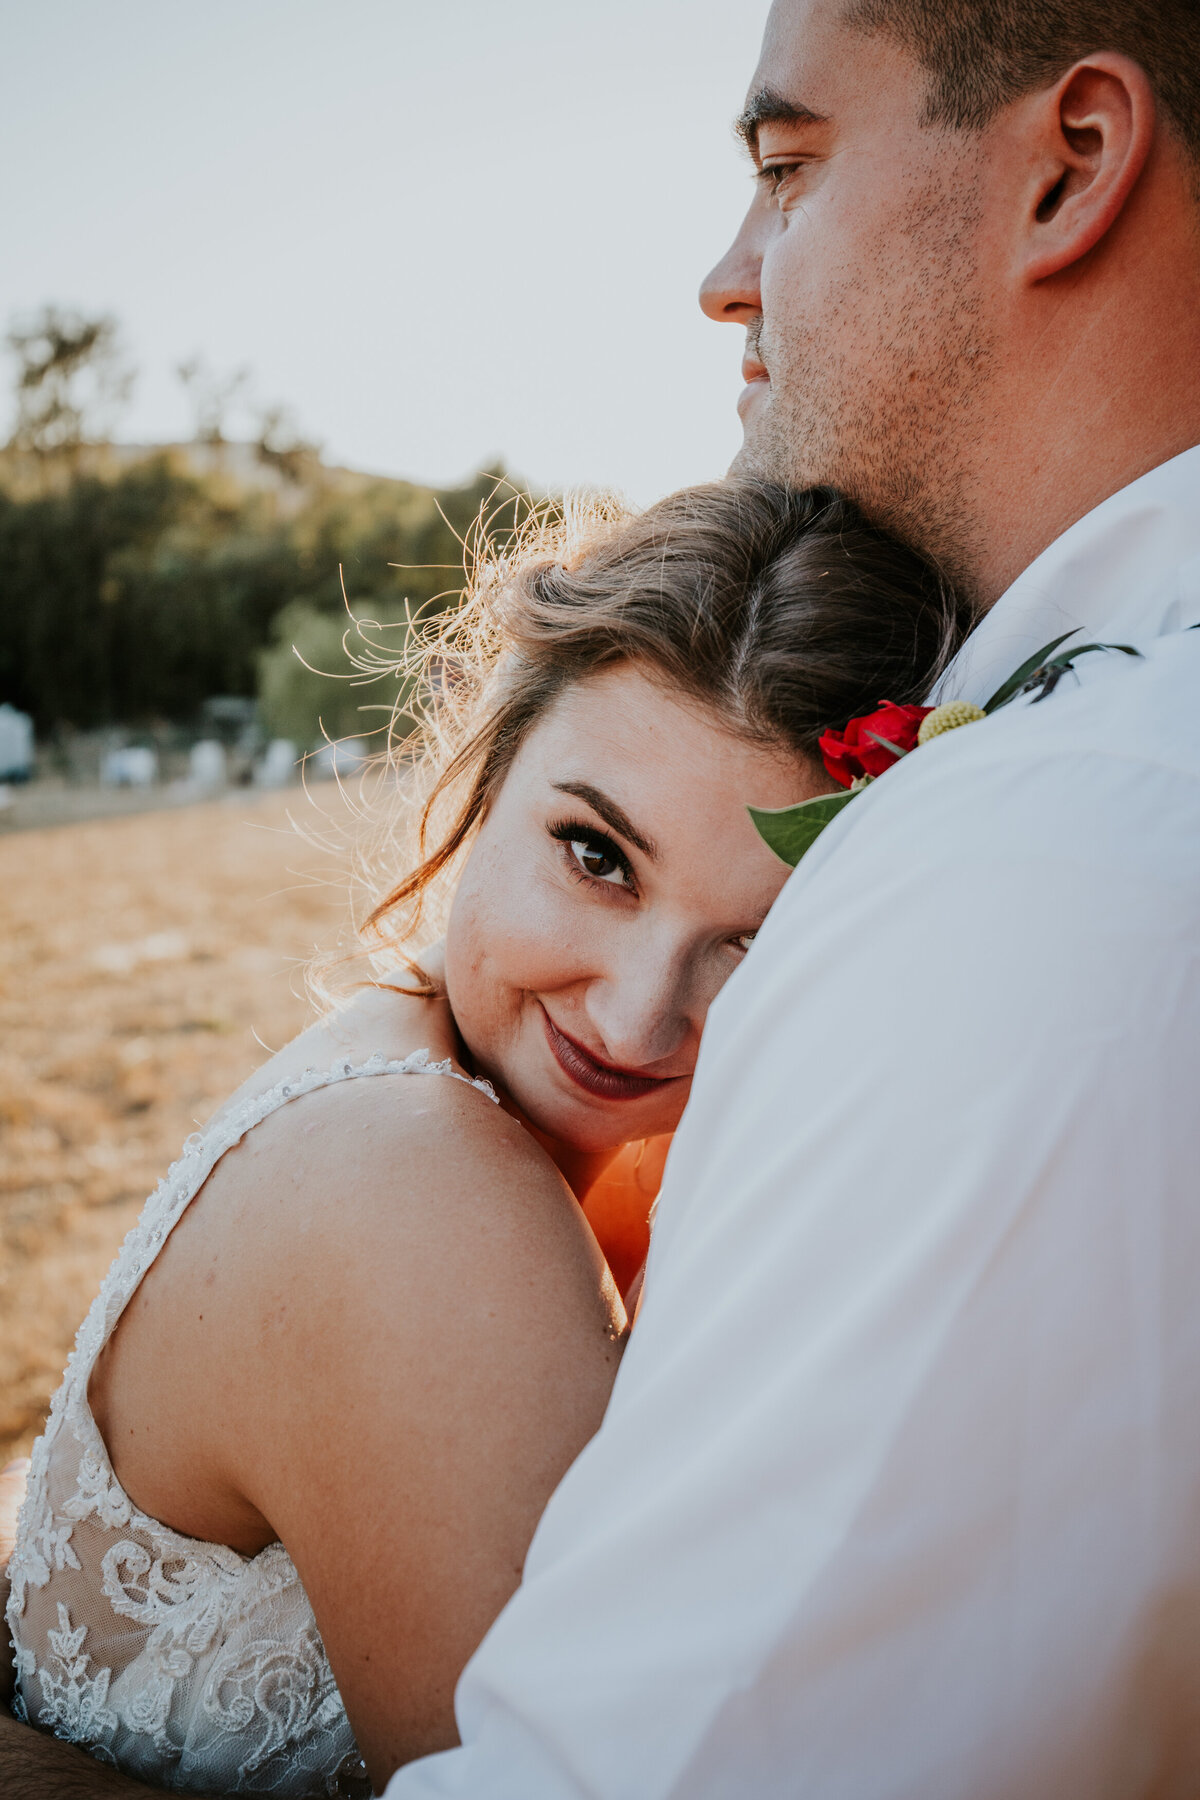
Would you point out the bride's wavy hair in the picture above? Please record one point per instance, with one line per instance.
(783, 612)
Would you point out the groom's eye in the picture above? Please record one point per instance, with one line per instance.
(775, 175)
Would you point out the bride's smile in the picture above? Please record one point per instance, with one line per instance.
(612, 890)
(594, 1076)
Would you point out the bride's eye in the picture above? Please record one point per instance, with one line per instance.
(596, 862)
(593, 856)
(744, 940)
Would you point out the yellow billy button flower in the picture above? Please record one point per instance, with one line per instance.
(948, 718)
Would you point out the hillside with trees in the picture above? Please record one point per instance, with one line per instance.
(138, 583)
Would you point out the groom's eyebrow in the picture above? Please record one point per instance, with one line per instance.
(613, 815)
(769, 108)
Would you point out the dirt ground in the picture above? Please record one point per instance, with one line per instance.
(141, 961)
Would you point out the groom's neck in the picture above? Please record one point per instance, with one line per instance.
(1102, 386)
(1056, 476)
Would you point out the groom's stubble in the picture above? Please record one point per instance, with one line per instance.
(879, 390)
(874, 326)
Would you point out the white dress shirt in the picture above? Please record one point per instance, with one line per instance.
(898, 1495)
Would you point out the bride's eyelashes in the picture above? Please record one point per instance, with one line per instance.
(596, 861)
(593, 858)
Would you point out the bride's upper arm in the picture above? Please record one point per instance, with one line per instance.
(433, 1338)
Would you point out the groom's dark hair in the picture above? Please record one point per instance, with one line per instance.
(982, 54)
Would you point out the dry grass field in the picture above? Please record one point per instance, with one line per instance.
(138, 959)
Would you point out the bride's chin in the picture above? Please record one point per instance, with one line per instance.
(583, 1128)
(538, 1094)
(581, 1131)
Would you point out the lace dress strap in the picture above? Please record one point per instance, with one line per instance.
(200, 1155)
(183, 1662)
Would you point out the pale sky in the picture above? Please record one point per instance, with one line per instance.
(440, 230)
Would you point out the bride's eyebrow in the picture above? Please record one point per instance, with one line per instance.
(613, 815)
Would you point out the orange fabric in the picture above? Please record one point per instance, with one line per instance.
(618, 1205)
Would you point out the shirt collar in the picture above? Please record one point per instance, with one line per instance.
(1117, 563)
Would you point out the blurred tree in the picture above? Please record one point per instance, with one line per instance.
(135, 597)
(312, 683)
(132, 592)
(72, 382)
(211, 396)
(127, 600)
(279, 446)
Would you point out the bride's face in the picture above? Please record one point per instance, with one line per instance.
(612, 889)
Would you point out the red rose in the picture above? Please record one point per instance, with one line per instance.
(853, 753)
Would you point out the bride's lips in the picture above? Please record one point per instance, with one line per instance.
(600, 1079)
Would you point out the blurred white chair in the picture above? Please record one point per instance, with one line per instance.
(135, 765)
(277, 768)
(343, 759)
(206, 764)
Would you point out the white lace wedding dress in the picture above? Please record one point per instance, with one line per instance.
(182, 1662)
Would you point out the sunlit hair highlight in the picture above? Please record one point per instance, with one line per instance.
(782, 612)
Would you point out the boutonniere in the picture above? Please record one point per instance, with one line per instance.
(869, 746)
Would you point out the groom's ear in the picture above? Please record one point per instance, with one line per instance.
(1089, 137)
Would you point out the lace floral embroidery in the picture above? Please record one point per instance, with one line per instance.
(74, 1703)
(96, 1491)
(275, 1698)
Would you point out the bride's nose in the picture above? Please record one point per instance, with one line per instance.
(642, 1011)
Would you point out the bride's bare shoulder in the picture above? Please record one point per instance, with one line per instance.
(384, 1197)
(361, 1237)
(388, 1331)
(399, 1152)
(377, 1169)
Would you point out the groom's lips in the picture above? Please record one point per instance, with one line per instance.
(756, 379)
(601, 1079)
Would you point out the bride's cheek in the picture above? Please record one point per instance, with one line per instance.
(540, 951)
(502, 948)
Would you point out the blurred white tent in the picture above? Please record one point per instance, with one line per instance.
(16, 744)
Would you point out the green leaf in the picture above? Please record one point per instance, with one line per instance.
(1125, 649)
(1067, 659)
(791, 830)
(1016, 681)
(886, 744)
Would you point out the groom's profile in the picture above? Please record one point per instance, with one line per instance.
(939, 279)
(898, 1495)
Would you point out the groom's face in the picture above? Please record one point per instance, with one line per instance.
(860, 274)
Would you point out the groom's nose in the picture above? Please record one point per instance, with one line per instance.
(730, 293)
